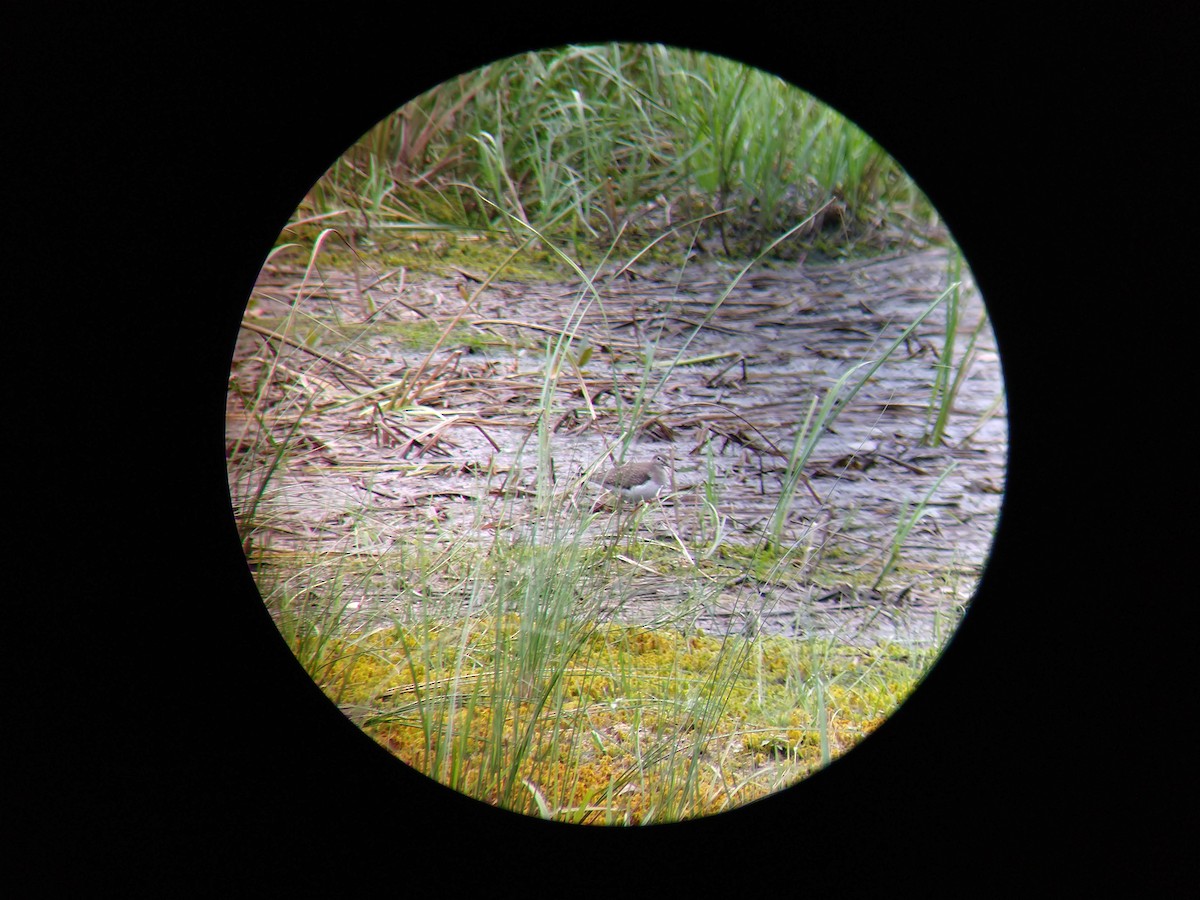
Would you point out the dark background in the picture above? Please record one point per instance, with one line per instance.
(164, 737)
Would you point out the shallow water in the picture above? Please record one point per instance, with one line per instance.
(362, 480)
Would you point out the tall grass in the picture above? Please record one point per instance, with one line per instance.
(949, 373)
(616, 141)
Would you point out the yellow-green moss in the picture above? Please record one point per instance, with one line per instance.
(624, 724)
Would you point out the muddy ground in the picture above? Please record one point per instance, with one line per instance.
(362, 478)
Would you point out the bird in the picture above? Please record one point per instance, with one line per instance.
(636, 482)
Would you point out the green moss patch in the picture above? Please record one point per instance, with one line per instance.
(614, 723)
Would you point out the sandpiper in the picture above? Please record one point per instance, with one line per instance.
(636, 482)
